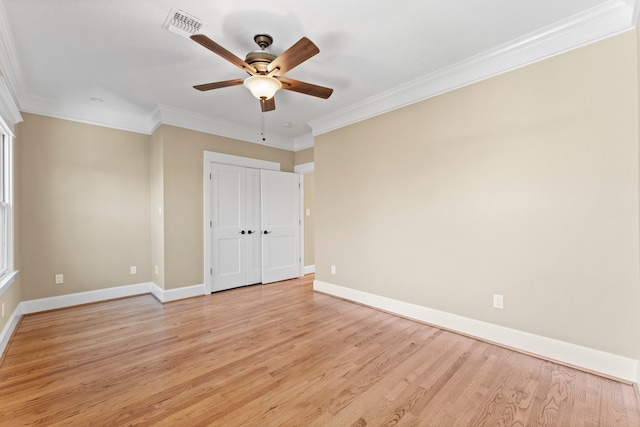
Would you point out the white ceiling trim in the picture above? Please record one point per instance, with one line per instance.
(186, 119)
(303, 142)
(9, 111)
(600, 22)
(148, 123)
(142, 123)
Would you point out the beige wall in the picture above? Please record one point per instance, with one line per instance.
(11, 298)
(525, 185)
(183, 196)
(84, 206)
(304, 156)
(157, 208)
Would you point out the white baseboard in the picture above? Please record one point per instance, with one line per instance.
(308, 269)
(62, 301)
(176, 294)
(597, 361)
(9, 327)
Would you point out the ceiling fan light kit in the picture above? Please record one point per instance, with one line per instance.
(262, 87)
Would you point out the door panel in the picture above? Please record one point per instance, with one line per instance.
(229, 254)
(280, 197)
(228, 219)
(282, 252)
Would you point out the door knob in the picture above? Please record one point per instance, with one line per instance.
(266, 232)
(250, 232)
(242, 232)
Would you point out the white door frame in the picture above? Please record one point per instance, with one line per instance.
(213, 157)
(303, 169)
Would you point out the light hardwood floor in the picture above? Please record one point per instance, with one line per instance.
(280, 354)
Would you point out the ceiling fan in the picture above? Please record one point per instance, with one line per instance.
(266, 70)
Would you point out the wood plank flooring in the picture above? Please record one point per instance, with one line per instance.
(280, 354)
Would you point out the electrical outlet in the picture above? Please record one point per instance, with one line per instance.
(156, 269)
(498, 301)
(2, 309)
(132, 269)
(59, 279)
(333, 269)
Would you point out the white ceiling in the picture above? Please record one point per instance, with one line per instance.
(112, 63)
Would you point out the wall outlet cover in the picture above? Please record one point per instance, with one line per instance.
(498, 301)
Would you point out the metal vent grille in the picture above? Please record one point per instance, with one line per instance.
(182, 23)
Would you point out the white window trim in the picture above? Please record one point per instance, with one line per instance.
(8, 277)
(7, 280)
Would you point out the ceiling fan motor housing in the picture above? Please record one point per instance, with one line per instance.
(259, 60)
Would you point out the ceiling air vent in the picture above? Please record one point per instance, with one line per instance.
(182, 23)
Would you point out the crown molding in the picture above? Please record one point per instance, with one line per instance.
(201, 123)
(134, 122)
(147, 123)
(600, 22)
(303, 142)
(8, 108)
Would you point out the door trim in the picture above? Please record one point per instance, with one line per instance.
(228, 159)
(304, 168)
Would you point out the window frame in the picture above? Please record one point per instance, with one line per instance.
(7, 271)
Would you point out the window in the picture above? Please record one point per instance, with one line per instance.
(5, 200)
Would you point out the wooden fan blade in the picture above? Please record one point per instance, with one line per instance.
(268, 104)
(306, 88)
(218, 85)
(302, 50)
(219, 50)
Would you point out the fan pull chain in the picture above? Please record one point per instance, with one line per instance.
(262, 126)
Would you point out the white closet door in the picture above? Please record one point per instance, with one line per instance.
(280, 196)
(252, 225)
(229, 251)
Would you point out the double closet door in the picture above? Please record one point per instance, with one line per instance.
(255, 226)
